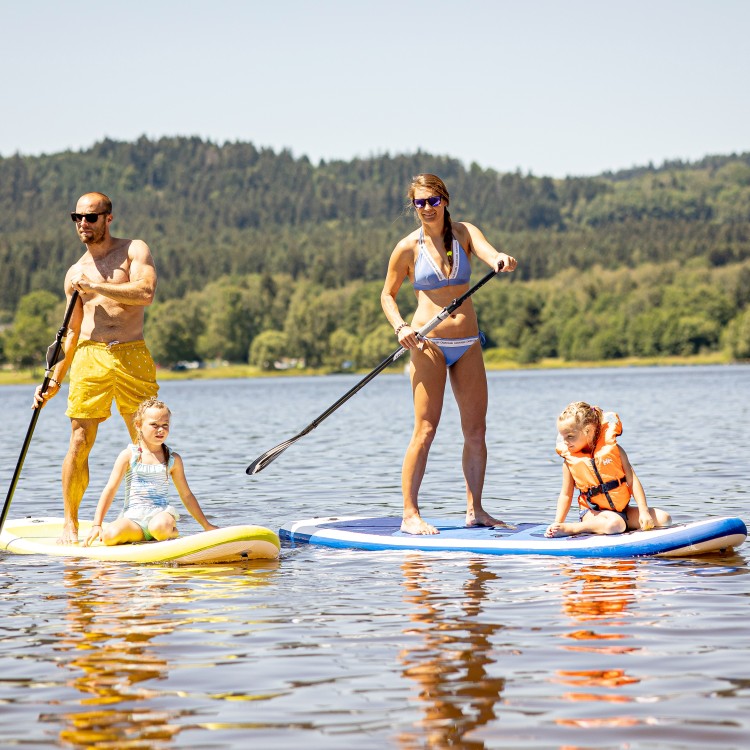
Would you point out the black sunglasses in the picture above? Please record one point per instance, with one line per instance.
(433, 200)
(90, 218)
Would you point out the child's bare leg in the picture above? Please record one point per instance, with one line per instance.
(658, 516)
(561, 529)
(594, 522)
(162, 526)
(122, 531)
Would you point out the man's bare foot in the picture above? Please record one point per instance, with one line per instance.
(484, 519)
(69, 533)
(415, 525)
(559, 529)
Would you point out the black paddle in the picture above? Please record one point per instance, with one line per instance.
(261, 462)
(54, 355)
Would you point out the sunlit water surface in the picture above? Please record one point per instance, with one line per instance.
(350, 649)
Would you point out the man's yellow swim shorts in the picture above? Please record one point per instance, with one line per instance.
(101, 372)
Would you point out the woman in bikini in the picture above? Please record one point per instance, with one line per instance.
(436, 259)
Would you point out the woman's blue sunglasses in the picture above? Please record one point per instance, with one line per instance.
(433, 200)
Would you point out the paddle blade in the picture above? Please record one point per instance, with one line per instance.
(55, 353)
(261, 462)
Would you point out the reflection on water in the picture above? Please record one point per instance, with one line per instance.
(597, 590)
(451, 667)
(599, 594)
(109, 627)
(109, 640)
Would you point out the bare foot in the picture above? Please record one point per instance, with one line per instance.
(484, 519)
(69, 533)
(415, 525)
(559, 529)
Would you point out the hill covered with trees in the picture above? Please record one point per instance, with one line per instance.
(263, 255)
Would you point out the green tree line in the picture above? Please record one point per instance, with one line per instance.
(598, 314)
(210, 210)
(253, 247)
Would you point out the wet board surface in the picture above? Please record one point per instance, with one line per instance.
(38, 536)
(383, 533)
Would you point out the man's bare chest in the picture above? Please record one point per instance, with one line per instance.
(114, 268)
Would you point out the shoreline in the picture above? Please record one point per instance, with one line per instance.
(221, 372)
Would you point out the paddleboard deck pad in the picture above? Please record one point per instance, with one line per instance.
(383, 533)
(38, 536)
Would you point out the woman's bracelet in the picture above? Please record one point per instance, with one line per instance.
(398, 330)
(52, 380)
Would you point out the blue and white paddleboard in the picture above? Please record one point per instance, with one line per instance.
(383, 533)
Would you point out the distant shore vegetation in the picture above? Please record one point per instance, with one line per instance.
(274, 263)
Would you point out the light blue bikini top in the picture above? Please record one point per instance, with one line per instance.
(427, 274)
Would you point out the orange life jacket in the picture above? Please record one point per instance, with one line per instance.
(599, 478)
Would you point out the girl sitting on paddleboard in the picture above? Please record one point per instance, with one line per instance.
(600, 470)
(147, 468)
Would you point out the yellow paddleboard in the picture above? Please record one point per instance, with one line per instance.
(38, 536)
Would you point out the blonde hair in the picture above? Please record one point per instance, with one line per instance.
(436, 186)
(583, 414)
(150, 403)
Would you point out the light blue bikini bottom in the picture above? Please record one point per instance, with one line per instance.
(454, 349)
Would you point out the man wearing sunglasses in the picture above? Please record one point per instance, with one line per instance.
(115, 279)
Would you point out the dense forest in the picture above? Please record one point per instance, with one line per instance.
(263, 257)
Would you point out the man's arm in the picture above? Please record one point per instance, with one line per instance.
(139, 290)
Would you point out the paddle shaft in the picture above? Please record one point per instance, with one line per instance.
(261, 462)
(391, 358)
(53, 357)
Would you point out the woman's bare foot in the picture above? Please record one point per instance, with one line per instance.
(415, 525)
(483, 519)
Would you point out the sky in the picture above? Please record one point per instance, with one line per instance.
(547, 87)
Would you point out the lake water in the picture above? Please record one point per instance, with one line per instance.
(351, 649)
